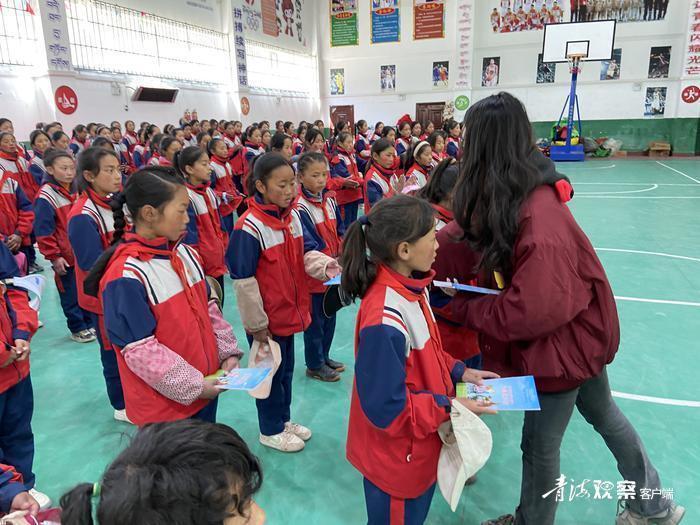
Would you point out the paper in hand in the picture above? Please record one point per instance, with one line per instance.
(465, 288)
(334, 281)
(243, 378)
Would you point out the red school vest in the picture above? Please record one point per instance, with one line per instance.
(323, 215)
(212, 241)
(177, 295)
(380, 177)
(18, 168)
(280, 273)
(57, 244)
(224, 184)
(348, 195)
(100, 212)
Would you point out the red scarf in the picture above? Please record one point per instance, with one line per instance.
(443, 214)
(280, 221)
(253, 145)
(24, 177)
(164, 162)
(223, 162)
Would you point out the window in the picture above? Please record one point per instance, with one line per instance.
(18, 39)
(113, 39)
(272, 70)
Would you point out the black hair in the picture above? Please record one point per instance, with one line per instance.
(150, 131)
(150, 186)
(358, 125)
(144, 124)
(376, 126)
(390, 222)
(78, 129)
(441, 182)
(278, 122)
(303, 126)
(311, 135)
(155, 142)
(37, 133)
(381, 145)
(53, 124)
(89, 160)
(167, 129)
(211, 144)
(100, 142)
(288, 127)
(340, 126)
(402, 125)
(187, 157)
(100, 128)
(115, 124)
(53, 154)
(126, 122)
(342, 137)
(317, 122)
(165, 143)
(56, 135)
(249, 132)
(261, 168)
(263, 122)
(411, 152)
(201, 135)
(386, 130)
(414, 124)
(115, 128)
(278, 140)
(449, 125)
(185, 472)
(174, 131)
(90, 125)
(4, 121)
(308, 158)
(229, 123)
(432, 139)
(495, 178)
(39, 125)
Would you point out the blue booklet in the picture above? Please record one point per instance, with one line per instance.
(510, 393)
(243, 378)
(335, 280)
(466, 288)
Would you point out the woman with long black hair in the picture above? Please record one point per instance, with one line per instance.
(555, 317)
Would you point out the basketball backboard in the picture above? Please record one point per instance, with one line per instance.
(592, 41)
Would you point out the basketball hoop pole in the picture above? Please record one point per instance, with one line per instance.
(571, 152)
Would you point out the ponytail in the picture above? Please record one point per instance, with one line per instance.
(374, 238)
(359, 272)
(76, 505)
(441, 182)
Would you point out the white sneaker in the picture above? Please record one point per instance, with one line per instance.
(84, 336)
(284, 442)
(42, 499)
(120, 415)
(298, 430)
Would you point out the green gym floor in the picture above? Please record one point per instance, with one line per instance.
(643, 217)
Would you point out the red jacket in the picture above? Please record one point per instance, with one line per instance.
(155, 289)
(222, 183)
(402, 388)
(16, 214)
(18, 167)
(268, 243)
(319, 215)
(344, 166)
(17, 321)
(377, 185)
(52, 207)
(557, 318)
(90, 232)
(204, 229)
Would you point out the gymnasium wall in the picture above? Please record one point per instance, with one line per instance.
(27, 94)
(413, 60)
(608, 108)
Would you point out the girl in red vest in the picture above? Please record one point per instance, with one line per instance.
(454, 137)
(437, 145)
(404, 381)
(17, 166)
(417, 164)
(90, 232)
(204, 232)
(269, 261)
(428, 130)
(168, 334)
(555, 318)
(403, 142)
(362, 145)
(52, 209)
(381, 171)
(346, 174)
(323, 229)
(168, 147)
(223, 182)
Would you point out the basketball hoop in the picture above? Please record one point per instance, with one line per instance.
(574, 60)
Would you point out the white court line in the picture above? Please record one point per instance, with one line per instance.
(656, 301)
(596, 168)
(657, 400)
(628, 197)
(631, 184)
(650, 188)
(643, 252)
(679, 172)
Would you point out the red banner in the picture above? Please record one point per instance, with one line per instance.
(428, 19)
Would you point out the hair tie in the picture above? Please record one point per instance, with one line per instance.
(96, 489)
(363, 220)
(418, 147)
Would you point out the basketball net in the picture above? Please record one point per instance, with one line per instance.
(575, 63)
